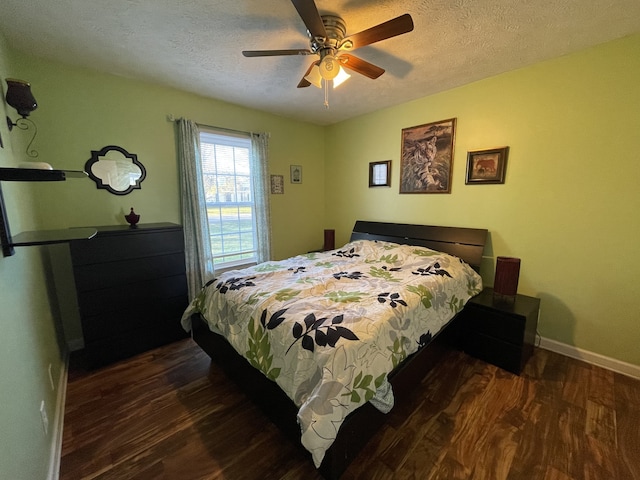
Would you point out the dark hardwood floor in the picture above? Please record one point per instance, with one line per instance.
(172, 414)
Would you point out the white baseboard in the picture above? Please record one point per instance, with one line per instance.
(58, 422)
(590, 357)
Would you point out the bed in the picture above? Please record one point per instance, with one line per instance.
(329, 341)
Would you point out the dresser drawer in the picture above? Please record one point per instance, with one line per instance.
(122, 297)
(97, 276)
(152, 316)
(107, 247)
(117, 347)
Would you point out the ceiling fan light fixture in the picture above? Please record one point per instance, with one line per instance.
(329, 67)
(342, 77)
(314, 77)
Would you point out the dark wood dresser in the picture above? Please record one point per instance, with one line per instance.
(500, 333)
(131, 289)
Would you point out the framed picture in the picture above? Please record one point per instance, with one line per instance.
(277, 184)
(380, 174)
(296, 174)
(427, 157)
(486, 166)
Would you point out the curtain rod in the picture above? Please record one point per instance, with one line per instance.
(171, 118)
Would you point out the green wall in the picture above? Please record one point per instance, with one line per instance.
(29, 341)
(78, 111)
(569, 205)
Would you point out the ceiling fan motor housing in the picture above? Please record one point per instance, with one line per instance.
(336, 30)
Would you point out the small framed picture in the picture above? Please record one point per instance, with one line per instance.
(486, 166)
(380, 174)
(296, 173)
(277, 184)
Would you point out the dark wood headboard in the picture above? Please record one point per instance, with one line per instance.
(465, 243)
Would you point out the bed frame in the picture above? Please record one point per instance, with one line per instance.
(360, 425)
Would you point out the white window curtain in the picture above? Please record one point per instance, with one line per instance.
(260, 174)
(199, 258)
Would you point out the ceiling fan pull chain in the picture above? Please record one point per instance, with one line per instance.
(326, 93)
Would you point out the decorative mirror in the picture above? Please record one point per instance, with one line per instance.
(115, 169)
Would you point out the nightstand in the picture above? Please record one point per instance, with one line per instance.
(501, 333)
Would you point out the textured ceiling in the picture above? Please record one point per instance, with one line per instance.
(195, 45)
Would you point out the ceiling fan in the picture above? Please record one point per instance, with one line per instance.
(329, 40)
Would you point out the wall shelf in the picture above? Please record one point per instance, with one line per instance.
(38, 175)
(46, 237)
(43, 237)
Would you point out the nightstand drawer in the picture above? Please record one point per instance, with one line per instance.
(502, 354)
(509, 328)
(498, 332)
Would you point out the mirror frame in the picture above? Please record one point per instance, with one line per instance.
(95, 158)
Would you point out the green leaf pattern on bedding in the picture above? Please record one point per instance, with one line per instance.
(286, 294)
(324, 264)
(259, 353)
(268, 267)
(366, 384)
(255, 297)
(424, 252)
(383, 273)
(199, 305)
(398, 350)
(345, 297)
(474, 285)
(425, 295)
(456, 304)
(329, 327)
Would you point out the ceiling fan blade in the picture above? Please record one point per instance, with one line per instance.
(361, 66)
(311, 17)
(273, 53)
(304, 82)
(388, 29)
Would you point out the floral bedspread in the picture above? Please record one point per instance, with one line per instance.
(329, 327)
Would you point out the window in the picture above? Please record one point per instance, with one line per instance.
(229, 197)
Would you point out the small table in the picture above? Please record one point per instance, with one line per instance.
(500, 332)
